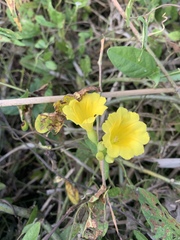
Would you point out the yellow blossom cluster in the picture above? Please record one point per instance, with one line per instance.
(124, 134)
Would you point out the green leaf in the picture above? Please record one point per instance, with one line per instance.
(29, 29)
(129, 11)
(56, 17)
(32, 232)
(174, 36)
(139, 235)
(177, 125)
(82, 38)
(51, 65)
(2, 186)
(43, 123)
(25, 95)
(7, 35)
(156, 77)
(35, 65)
(133, 62)
(41, 44)
(11, 110)
(114, 192)
(71, 231)
(175, 76)
(14, 41)
(30, 222)
(162, 224)
(33, 215)
(42, 21)
(47, 55)
(124, 193)
(66, 47)
(85, 64)
(91, 146)
(26, 6)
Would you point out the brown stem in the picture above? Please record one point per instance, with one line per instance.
(101, 165)
(51, 99)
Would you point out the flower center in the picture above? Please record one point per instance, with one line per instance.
(115, 139)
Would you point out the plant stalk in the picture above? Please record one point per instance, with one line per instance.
(52, 99)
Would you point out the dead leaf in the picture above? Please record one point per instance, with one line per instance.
(96, 225)
(13, 6)
(72, 193)
(78, 95)
(41, 91)
(96, 196)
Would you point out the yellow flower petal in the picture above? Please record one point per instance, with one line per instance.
(124, 135)
(84, 112)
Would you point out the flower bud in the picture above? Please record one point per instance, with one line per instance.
(92, 136)
(100, 156)
(100, 146)
(109, 159)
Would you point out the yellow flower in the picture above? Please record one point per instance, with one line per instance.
(124, 134)
(84, 112)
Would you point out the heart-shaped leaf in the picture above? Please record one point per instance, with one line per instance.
(133, 62)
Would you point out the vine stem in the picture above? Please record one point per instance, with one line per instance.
(100, 64)
(51, 99)
(147, 171)
(101, 163)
